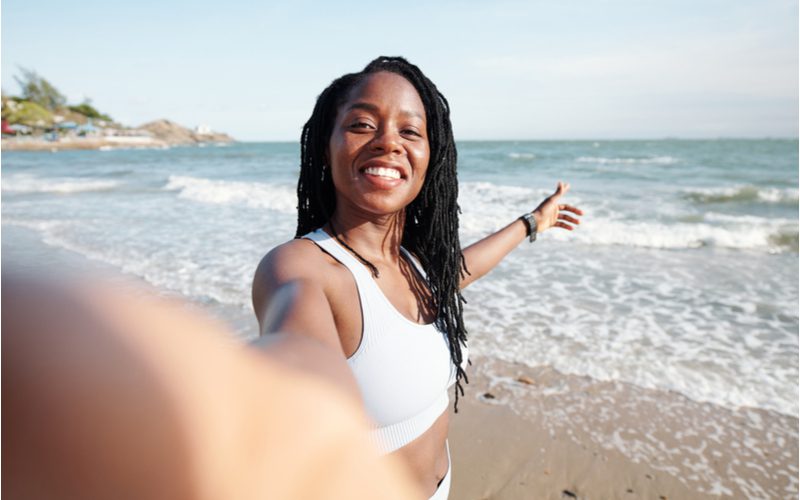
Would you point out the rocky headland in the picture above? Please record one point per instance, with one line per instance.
(155, 134)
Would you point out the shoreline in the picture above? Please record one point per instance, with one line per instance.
(95, 144)
(525, 432)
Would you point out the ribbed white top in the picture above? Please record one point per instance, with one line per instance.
(395, 436)
(403, 368)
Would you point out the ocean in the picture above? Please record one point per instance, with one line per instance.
(683, 276)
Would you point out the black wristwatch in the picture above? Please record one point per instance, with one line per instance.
(530, 221)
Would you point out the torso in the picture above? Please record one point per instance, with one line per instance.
(397, 284)
(408, 293)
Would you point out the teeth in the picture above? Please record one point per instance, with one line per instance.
(383, 172)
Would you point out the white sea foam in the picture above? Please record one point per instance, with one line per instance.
(487, 207)
(661, 323)
(655, 160)
(741, 235)
(489, 193)
(742, 193)
(521, 156)
(26, 183)
(276, 197)
(224, 277)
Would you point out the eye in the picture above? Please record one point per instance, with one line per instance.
(361, 125)
(411, 131)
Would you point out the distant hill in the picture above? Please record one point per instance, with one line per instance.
(174, 134)
(41, 119)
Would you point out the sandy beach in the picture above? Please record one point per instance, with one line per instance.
(80, 143)
(535, 433)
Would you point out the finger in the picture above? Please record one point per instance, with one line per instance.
(563, 226)
(568, 218)
(570, 208)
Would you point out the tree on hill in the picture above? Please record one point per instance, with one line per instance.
(38, 90)
(89, 111)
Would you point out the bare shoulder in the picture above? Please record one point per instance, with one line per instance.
(291, 292)
(297, 259)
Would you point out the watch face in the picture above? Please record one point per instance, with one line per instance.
(531, 226)
(531, 223)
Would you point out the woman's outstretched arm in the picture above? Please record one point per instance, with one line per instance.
(108, 394)
(294, 313)
(483, 255)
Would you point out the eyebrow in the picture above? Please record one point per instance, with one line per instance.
(373, 108)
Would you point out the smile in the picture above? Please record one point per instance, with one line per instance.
(387, 173)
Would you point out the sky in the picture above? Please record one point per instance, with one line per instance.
(560, 69)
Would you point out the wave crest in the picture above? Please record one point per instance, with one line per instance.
(770, 236)
(522, 156)
(654, 160)
(742, 194)
(24, 183)
(252, 194)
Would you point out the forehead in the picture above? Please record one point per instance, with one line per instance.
(386, 89)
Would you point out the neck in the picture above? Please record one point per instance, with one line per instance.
(376, 239)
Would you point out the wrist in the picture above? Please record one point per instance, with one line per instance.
(531, 225)
(537, 216)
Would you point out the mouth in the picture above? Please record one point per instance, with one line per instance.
(383, 171)
(386, 173)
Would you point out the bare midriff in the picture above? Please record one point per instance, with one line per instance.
(426, 456)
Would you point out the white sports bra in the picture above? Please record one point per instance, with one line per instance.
(403, 368)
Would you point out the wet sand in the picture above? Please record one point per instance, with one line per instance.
(524, 433)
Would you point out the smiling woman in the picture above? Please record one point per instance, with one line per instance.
(376, 269)
(378, 151)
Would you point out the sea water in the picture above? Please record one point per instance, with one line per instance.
(683, 275)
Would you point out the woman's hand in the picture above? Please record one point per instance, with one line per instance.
(549, 213)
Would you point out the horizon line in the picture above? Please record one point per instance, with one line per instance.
(616, 139)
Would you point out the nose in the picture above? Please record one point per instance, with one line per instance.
(386, 141)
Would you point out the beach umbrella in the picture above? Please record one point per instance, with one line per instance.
(6, 129)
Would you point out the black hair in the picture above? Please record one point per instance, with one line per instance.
(431, 220)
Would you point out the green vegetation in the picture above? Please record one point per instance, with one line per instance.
(18, 111)
(89, 111)
(38, 90)
(40, 101)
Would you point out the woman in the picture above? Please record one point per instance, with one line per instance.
(376, 266)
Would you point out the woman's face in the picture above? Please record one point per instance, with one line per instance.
(378, 151)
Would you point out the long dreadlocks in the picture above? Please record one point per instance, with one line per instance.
(431, 222)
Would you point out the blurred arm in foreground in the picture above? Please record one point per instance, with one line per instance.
(107, 395)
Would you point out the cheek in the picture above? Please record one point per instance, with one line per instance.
(334, 149)
(342, 150)
(422, 158)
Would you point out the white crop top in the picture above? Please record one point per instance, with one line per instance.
(403, 368)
